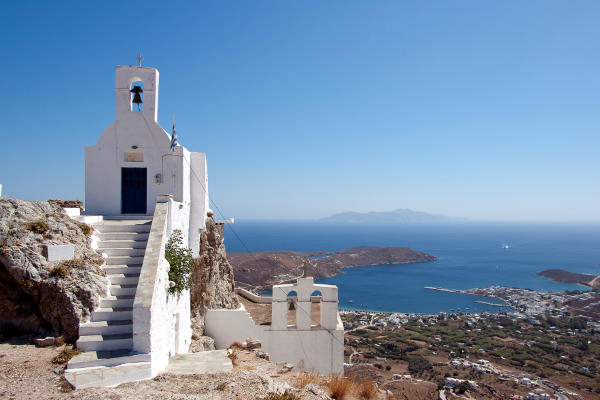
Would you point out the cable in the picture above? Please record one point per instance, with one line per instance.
(212, 201)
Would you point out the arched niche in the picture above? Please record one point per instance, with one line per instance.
(136, 95)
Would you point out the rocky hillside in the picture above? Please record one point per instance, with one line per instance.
(212, 280)
(37, 296)
(265, 268)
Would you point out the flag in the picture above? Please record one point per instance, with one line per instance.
(174, 137)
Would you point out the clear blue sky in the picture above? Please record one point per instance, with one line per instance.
(480, 109)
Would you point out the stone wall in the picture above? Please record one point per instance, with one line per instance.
(34, 298)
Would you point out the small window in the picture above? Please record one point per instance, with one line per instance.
(137, 96)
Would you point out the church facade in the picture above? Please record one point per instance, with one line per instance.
(134, 161)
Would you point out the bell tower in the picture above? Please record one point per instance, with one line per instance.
(128, 82)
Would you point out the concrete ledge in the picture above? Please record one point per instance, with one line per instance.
(253, 297)
(108, 376)
(59, 252)
(72, 211)
(199, 363)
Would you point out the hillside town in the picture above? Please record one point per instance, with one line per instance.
(543, 349)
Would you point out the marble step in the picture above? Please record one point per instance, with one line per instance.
(130, 252)
(116, 302)
(105, 342)
(123, 244)
(122, 227)
(106, 358)
(106, 327)
(119, 290)
(112, 314)
(128, 370)
(120, 279)
(122, 269)
(126, 236)
(134, 260)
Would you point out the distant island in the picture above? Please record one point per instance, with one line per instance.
(562, 276)
(265, 268)
(403, 216)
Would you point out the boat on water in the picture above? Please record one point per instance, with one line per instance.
(505, 246)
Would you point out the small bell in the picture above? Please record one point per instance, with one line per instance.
(137, 98)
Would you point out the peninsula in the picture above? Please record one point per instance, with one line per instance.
(265, 268)
(562, 276)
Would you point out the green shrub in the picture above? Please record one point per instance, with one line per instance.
(181, 262)
(38, 227)
(59, 271)
(463, 387)
(418, 364)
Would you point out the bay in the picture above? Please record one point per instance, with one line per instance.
(469, 255)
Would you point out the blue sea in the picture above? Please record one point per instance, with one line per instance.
(470, 255)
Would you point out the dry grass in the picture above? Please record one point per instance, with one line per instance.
(306, 378)
(281, 396)
(85, 228)
(59, 271)
(339, 387)
(233, 357)
(246, 367)
(65, 355)
(366, 389)
(37, 227)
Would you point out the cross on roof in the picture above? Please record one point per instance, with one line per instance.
(139, 58)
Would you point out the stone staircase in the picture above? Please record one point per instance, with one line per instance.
(107, 340)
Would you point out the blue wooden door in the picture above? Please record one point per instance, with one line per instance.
(133, 190)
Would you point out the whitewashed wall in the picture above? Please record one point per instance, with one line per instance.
(161, 321)
(311, 348)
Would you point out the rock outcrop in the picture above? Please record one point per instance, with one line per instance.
(38, 296)
(212, 279)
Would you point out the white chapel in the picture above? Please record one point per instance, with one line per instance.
(134, 161)
(140, 187)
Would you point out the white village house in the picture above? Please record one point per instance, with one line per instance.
(140, 185)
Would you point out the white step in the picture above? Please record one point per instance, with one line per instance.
(102, 376)
(105, 342)
(123, 244)
(122, 269)
(105, 359)
(124, 252)
(122, 227)
(118, 290)
(110, 236)
(136, 260)
(111, 314)
(120, 279)
(113, 302)
(105, 327)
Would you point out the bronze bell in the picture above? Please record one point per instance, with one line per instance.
(137, 98)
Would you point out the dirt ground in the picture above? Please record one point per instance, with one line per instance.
(28, 372)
